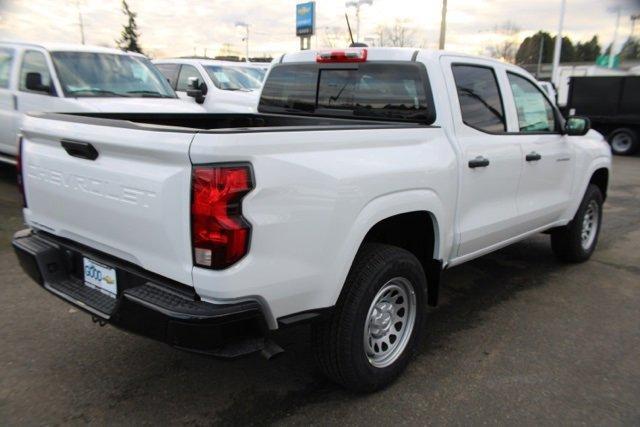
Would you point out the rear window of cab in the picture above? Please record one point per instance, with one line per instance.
(385, 91)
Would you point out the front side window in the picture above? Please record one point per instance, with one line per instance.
(34, 62)
(479, 96)
(232, 78)
(187, 72)
(535, 113)
(93, 74)
(6, 61)
(385, 91)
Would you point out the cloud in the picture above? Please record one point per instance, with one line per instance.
(177, 27)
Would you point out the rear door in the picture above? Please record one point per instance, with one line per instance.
(491, 160)
(131, 202)
(547, 163)
(8, 102)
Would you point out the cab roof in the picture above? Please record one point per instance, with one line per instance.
(67, 47)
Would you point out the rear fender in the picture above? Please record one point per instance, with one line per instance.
(384, 207)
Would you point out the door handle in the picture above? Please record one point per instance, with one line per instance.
(80, 149)
(479, 162)
(533, 157)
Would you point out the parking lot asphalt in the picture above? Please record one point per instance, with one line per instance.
(518, 338)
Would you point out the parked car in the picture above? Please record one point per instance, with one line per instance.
(365, 173)
(76, 78)
(220, 86)
(613, 106)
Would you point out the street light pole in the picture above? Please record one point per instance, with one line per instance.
(443, 25)
(357, 5)
(80, 21)
(246, 38)
(558, 46)
(615, 38)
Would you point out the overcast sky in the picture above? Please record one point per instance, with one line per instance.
(177, 27)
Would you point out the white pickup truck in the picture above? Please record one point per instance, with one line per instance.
(365, 174)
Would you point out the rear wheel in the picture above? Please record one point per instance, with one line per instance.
(377, 323)
(577, 241)
(624, 141)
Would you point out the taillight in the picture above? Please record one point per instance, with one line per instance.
(19, 172)
(219, 233)
(347, 55)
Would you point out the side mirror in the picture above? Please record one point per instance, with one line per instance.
(577, 126)
(34, 83)
(196, 89)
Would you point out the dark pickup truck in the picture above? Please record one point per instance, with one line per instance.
(613, 105)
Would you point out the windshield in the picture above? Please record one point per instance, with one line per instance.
(232, 78)
(256, 73)
(91, 74)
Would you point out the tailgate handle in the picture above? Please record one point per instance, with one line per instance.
(83, 150)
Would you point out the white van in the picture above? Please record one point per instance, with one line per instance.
(220, 86)
(77, 78)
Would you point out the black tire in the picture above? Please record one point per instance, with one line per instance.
(567, 242)
(629, 141)
(339, 341)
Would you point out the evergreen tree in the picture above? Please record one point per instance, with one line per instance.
(588, 51)
(129, 37)
(529, 49)
(630, 49)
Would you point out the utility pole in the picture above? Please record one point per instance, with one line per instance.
(615, 38)
(80, 21)
(558, 46)
(443, 25)
(357, 4)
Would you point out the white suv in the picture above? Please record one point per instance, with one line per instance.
(76, 78)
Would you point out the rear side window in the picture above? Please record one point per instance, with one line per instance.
(170, 72)
(373, 90)
(6, 60)
(479, 95)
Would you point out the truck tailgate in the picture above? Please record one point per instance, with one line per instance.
(131, 202)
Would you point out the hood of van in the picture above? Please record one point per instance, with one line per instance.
(138, 105)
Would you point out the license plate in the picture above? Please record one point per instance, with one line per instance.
(100, 277)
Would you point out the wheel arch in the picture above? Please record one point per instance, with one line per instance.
(412, 220)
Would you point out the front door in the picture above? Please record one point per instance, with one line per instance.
(547, 163)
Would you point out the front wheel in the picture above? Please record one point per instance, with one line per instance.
(577, 241)
(377, 323)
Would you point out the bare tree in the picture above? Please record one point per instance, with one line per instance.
(335, 37)
(507, 47)
(397, 35)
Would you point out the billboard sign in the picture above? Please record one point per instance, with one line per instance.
(306, 19)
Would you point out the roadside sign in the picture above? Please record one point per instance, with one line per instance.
(603, 61)
(306, 19)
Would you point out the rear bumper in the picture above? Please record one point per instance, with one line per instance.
(145, 304)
